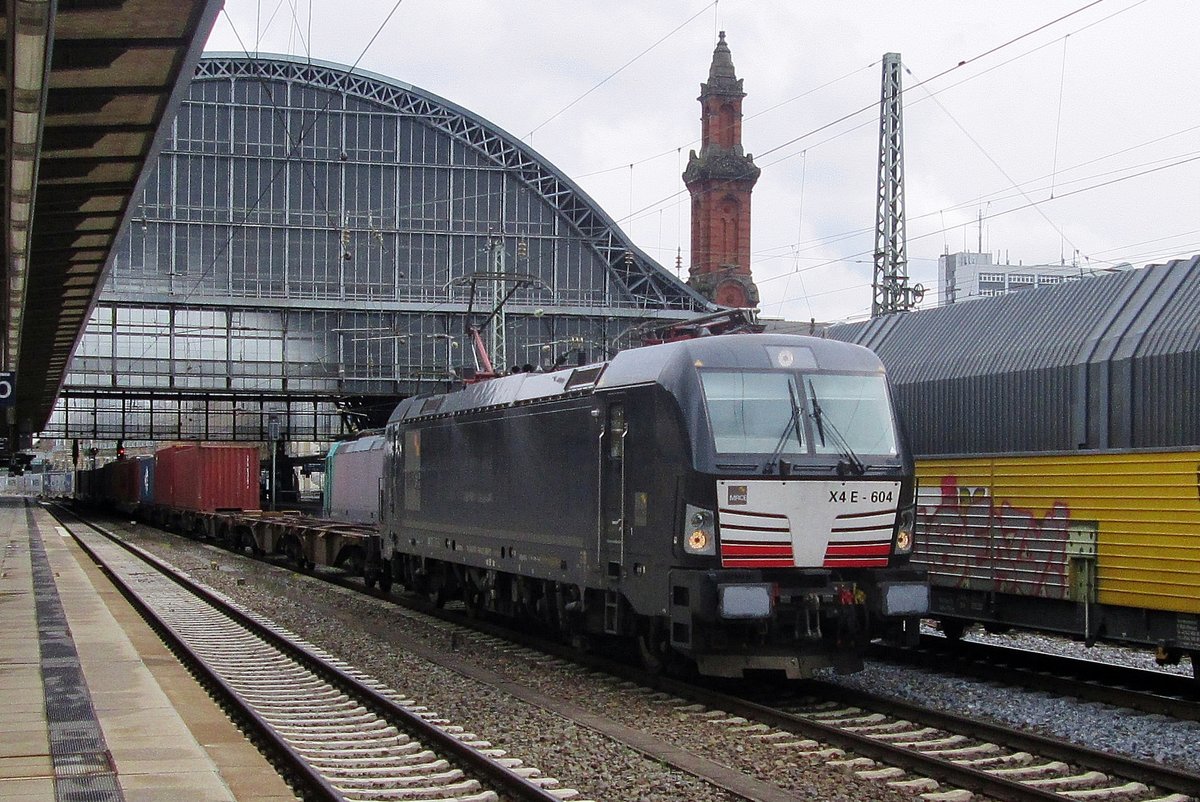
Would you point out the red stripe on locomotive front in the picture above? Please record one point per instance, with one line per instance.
(858, 549)
(760, 562)
(753, 549)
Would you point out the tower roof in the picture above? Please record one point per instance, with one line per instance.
(722, 77)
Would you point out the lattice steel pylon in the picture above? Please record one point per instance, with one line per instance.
(891, 292)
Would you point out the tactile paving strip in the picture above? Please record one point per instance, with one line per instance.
(83, 770)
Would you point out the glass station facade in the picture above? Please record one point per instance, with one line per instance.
(311, 244)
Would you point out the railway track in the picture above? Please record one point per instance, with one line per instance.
(905, 746)
(911, 749)
(335, 733)
(999, 761)
(1156, 692)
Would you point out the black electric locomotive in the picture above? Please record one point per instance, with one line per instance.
(742, 502)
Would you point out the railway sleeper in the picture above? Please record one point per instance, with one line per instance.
(382, 774)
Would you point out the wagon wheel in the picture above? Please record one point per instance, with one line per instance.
(953, 630)
(243, 542)
(295, 554)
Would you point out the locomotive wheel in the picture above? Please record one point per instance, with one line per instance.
(385, 580)
(651, 661)
(472, 582)
(653, 650)
(473, 599)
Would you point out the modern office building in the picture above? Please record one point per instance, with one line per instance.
(966, 276)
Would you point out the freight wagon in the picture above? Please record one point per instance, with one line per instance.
(1102, 545)
(1089, 388)
(41, 484)
(211, 492)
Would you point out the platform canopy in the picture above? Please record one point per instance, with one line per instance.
(88, 84)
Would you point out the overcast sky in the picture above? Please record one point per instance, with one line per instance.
(1077, 140)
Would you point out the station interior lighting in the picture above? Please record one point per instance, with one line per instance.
(29, 44)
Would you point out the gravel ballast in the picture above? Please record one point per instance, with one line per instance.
(1092, 724)
(368, 632)
(363, 631)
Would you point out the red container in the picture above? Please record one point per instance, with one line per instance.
(207, 477)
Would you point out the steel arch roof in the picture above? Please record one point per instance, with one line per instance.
(645, 281)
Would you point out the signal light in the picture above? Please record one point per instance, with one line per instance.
(700, 533)
(904, 532)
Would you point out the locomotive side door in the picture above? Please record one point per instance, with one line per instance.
(611, 523)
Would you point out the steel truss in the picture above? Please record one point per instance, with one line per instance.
(135, 415)
(644, 282)
(891, 292)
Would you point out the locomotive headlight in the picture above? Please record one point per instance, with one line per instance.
(700, 533)
(904, 532)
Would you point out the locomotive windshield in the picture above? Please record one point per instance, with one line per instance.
(754, 412)
(751, 413)
(855, 408)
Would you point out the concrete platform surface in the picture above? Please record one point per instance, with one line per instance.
(92, 704)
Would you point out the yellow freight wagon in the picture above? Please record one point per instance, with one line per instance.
(1100, 545)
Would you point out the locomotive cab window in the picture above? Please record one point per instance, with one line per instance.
(754, 412)
(856, 408)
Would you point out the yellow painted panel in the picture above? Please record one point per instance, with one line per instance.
(1023, 524)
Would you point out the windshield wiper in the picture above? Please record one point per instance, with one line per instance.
(793, 425)
(852, 462)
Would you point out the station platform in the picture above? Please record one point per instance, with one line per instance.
(92, 704)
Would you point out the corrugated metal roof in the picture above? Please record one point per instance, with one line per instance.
(1107, 362)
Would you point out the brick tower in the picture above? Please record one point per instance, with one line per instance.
(720, 179)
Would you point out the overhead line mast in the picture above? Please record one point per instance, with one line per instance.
(890, 285)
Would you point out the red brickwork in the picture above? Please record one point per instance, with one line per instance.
(720, 179)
